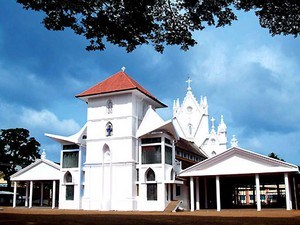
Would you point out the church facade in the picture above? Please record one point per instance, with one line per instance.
(126, 157)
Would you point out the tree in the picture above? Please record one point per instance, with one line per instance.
(130, 23)
(17, 150)
(275, 156)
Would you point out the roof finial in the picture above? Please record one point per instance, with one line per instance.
(189, 81)
(43, 155)
(123, 68)
(212, 123)
(234, 142)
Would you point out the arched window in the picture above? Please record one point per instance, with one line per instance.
(109, 106)
(151, 186)
(109, 129)
(190, 129)
(69, 186)
(106, 153)
(150, 176)
(68, 177)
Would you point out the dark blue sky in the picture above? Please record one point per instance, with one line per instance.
(248, 76)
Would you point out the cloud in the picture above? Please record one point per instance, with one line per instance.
(37, 122)
(246, 79)
(285, 145)
(47, 121)
(40, 120)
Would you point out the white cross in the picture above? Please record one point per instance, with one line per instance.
(123, 68)
(189, 81)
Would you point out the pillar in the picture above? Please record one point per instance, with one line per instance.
(295, 193)
(192, 193)
(26, 194)
(257, 196)
(53, 194)
(30, 193)
(197, 194)
(174, 192)
(288, 198)
(218, 195)
(205, 193)
(42, 193)
(169, 192)
(15, 195)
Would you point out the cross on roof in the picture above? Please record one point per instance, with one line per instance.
(189, 81)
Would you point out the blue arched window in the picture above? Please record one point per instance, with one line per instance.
(109, 129)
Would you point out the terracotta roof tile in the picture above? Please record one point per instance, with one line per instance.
(117, 82)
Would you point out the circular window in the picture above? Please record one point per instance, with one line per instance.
(189, 109)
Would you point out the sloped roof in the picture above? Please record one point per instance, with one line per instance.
(41, 169)
(150, 122)
(237, 161)
(190, 146)
(153, 122)
(120, 81)
(74, 139)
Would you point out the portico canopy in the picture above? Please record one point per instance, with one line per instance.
(42, 170)
(238, 162)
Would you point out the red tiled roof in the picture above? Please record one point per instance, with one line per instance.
(117, 82)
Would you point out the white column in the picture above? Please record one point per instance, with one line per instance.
(42, 193)
(174, 191)
(295, 193)
(30, 193)
(257, 196)
(169, 192)
(54, 194)
(218, 195)
(26, 194)
(288, 199)
(192, 193)
(197, 194)
(205, 193)
(15, 195)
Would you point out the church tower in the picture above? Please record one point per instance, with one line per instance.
(116, 107)
(191, 120)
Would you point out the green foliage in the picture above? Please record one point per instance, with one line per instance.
(130, 23)
(17, 150)
(275, 156)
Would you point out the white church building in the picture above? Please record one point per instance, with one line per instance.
(126, 157)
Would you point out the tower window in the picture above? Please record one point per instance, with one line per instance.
(68, 177)
(70, 192)
(150, 175)
(70, 159)
(151, 187)
(109, 129)
(151, 154)
(109, 106)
